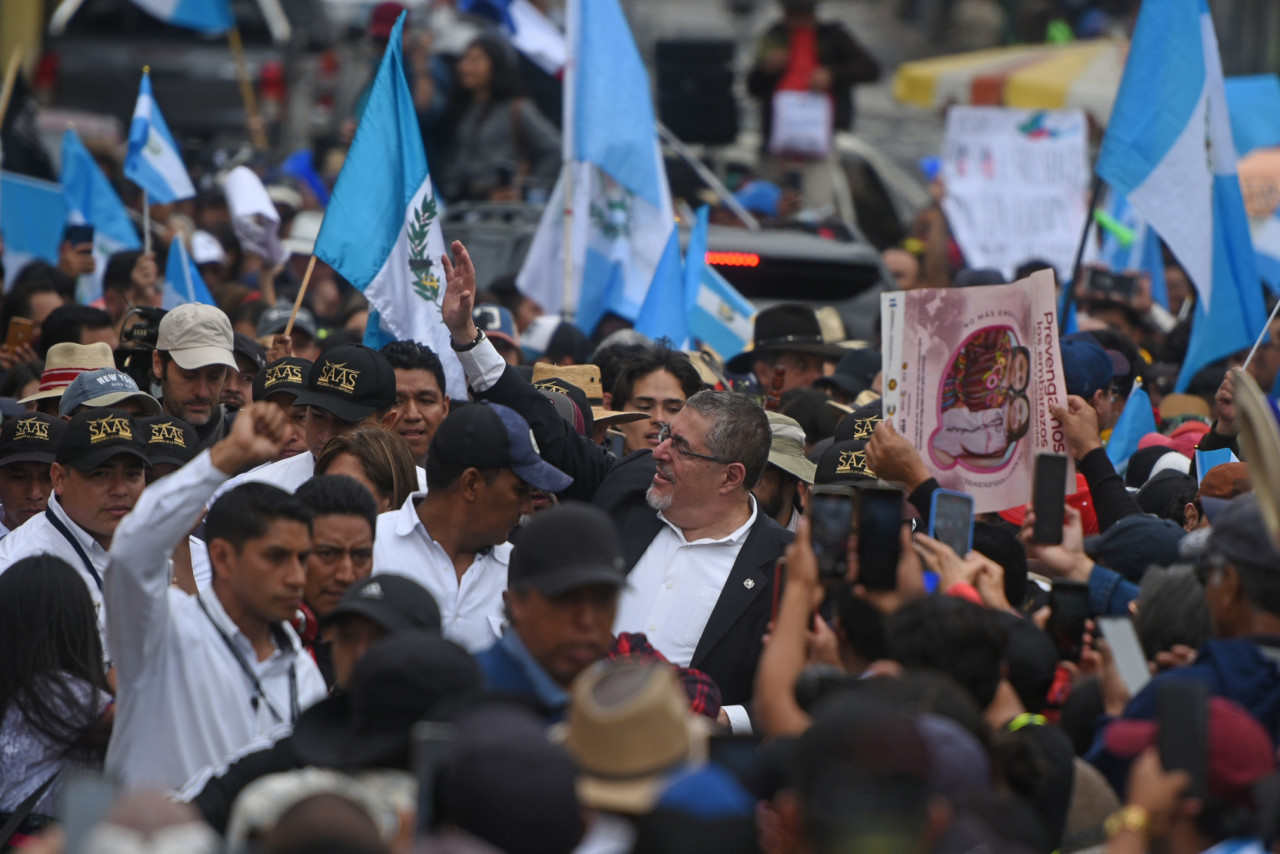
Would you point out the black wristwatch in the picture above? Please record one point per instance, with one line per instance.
(467, 347)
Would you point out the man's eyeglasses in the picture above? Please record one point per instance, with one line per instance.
(682, 447)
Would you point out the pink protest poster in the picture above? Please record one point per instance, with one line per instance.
(969, 377)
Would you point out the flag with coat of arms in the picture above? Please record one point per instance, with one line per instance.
(623, 218)
(152, 160)
(381, 231)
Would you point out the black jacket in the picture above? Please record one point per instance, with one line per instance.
(837, 49)
(732, 641)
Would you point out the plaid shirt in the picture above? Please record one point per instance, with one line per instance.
(704, 694)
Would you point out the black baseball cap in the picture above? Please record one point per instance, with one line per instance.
(276, 319)
(33, 438)
(288, 375)
(351, 381)
(403, 679)
(169, 440)
(247, 346)
(492, 436)
(96, 435)
(844, 462)
(394, 602)
(860, 423)
(567, 547)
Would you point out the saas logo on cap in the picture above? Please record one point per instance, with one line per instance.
(852, 462)
(109, 427)
(167, 434)
(32, 428)
(339, 376)
(286, 374)
(372, 590)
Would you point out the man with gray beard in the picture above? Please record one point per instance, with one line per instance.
(699, 551)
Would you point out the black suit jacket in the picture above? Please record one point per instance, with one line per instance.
(732, 641)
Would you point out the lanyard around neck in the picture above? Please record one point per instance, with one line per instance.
(258, 693)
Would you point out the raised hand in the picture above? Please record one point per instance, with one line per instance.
(459, 295)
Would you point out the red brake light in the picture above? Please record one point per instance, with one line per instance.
(733, 259)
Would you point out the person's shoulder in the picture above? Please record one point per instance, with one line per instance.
(30, 538)
(398, 521)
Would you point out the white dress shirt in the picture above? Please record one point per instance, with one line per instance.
(38, 536)
(288, 474)
(674, 587)
(185, 707)
(471, 610)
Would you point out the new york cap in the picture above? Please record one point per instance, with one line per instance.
(169, 440)
(567, 547)
(283, 375)
(351, 381)
(96, 435)
(490, 435)
(104, 388)
(393, 602)
(33, 438)
(197, 336)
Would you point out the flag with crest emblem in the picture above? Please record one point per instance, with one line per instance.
(381, 231)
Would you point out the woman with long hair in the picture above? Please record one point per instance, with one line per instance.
(54, 697)
(378, 459)
(501, 145)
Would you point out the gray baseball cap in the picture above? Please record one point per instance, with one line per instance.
(104, 387)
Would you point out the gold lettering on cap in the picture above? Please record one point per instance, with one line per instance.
(167, 434)
(283, 374)
(852, 462)
(864, 427)
(109, 427)
(32, 428)
(339, 376)
(550, 386)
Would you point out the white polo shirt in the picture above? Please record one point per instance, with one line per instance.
(470, 610)
(39, 536)
(185, 705)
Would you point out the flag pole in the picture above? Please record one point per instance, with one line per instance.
(572, 13)
(10, 80)
(297, 303)
(1256, 344)
(253, 118)
(1084, 239)
(146, 224)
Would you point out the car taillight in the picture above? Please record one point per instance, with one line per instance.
(733, 259)
(45, 80)
(271, 89)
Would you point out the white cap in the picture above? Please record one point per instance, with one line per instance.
(205, 249)
(196, 336)
(303, 232)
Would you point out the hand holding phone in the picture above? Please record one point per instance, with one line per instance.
(951, 520)
(879, 537)
(830, 525)
(1049, 495)
(1068, 612)
(19, 334)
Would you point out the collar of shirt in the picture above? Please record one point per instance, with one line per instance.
(87, 542)
(732, 539)
(545, 688)
(222, 620)
(4, 529)
(408, 520)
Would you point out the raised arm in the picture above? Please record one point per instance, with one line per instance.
(136, 587)
(490, 378)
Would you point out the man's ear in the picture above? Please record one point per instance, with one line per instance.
(735, 474)
(58, 475)
(470, 482)
(157, 366)
(221, 555)
(1192, 516)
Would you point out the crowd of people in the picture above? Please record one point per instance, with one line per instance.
(272, 589)
(240, 593)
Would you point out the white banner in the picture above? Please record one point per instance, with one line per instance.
(1017, 184)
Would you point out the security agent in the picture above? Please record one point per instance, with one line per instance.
(201, 678)
(345, 387)
(97, 476)
(28, 447)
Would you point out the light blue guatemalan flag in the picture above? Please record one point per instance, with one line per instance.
(381, 231)
(152, 161)
(1169, 151)
(623, 216)
(182, 280)
(207, 16)
(1136, 421)
(91, 199)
